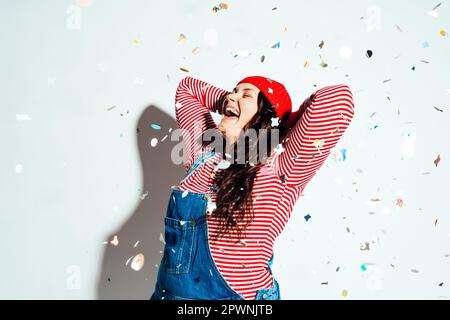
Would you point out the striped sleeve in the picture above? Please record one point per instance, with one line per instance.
(327, 114)
(194, 100)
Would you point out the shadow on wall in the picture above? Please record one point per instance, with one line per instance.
(146, 222)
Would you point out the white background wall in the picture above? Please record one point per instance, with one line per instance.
(74, 172)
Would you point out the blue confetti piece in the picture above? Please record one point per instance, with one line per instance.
(363, 267)
(155, 126)
(278, 44)
(307, 217)
(343, 151)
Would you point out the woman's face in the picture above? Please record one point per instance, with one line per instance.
(239, 107)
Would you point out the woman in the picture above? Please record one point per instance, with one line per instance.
(224, 216)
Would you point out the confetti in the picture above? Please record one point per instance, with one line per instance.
(155, 126)
(323, 64)
(154, 142)
(126, 263)
(441, 284)
(321, 44)
(185, 193)
(161, 238)
(425, 44)
(415, 270)
(275, 121)
(143, 196)
(138, 262)
(307, 217)
(369, 53)
(399, 202)
(222, 6)
(279, 149)
(443, 33)
(344, 293)
(436, 161)
(196, 50)
(363, 267)
(345, 52)
(19, 168)
(438, 109)
(324, 283)
(276, 45)
(110, 108)
(182, 38)
(343, 152)
(387, 80)
(135, 41)
(22, 117)
(115, 241)
(366, 246)
(262, 58)
(306, 64)
(136, 244)
(318, 143)
(398, 28)
(184, 69)
(433, 13)
(435, 222)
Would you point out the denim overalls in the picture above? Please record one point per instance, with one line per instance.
(187, 270)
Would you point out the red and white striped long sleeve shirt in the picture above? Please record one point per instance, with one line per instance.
(323, 119)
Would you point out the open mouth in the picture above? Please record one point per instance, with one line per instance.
(231, 113)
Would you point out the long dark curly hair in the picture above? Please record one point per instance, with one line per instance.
(234, 185)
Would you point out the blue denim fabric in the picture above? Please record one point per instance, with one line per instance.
(187, 270)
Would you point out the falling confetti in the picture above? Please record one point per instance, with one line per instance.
(135, 41)
(154, 142)
(323, 64)
(182, 38)
(262, 58)
(110, 108)
(279, 149)
(22, 117)
(366, 246)
(318, 143)
(344, 293)
(138, 262)
(321, 44)
(398, 28)
(343, 152)
(399, 202)
(196, 50)
(369, 53)
(161, 238)
(222, 6)
(276, 45)
(443, 33)
(115, 241)
(143, 196)
(155, 126)
(436, 161)
(414, 270)
(345, 52)
(275, 121)
(307, 217)
(184, 69)
(435, 222)
(136, 244)
(438, 109)
(363, 267)
(19, 168)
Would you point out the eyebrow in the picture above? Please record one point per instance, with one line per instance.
(245, 89)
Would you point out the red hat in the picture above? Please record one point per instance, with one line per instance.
(275, 92)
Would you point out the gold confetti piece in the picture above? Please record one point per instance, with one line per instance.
(443, 33)
(182, 38)
(138, 262)
(222, 6)
(306, 64)
(344, 293)
(184, 69)
(135, 41)
(196, 50)
(318, 143)
(437, 160)
(115, 241)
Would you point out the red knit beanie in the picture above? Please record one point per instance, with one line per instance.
(275, 92)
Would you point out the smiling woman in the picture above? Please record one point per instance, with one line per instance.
(222, 222)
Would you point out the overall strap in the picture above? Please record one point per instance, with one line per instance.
(199, 161)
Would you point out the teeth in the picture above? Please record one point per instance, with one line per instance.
(229, 110)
